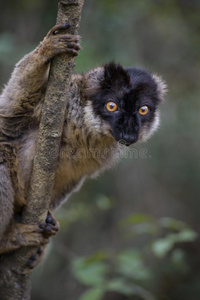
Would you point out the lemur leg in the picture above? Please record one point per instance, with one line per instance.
(18, 235)
(30, 75)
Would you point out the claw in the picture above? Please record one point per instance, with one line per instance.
(55, 30)
(67, 25)
(49, 227)
(35, 258)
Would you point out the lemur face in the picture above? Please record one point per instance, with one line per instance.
(127, 100)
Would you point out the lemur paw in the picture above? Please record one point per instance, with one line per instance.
(57, 28)
(48, 229)
(50, 226)
(56, 42)
(35, 258)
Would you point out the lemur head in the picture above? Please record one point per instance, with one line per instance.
(127, 100)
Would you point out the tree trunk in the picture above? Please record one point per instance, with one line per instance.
(15, 277)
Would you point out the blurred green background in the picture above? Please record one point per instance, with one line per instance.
(132, 233)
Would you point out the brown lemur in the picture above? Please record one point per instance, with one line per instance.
(110, 107)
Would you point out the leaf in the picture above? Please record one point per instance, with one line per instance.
(148, 228)
(89, 272)
(178, 257)
(93, 294)
(136, 219)
(162, 246)
(187, 235)
(129, 289)
(98, 256)
(130, 263)
(103, 202)
(120, 285)
(171, 223)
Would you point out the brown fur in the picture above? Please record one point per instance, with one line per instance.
(87, 146)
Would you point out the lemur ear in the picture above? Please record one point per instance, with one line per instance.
(93, 81)
(161, 86)
(115, 75)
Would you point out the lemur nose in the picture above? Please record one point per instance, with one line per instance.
(129, 139)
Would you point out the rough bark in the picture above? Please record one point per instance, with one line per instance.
(15, 277)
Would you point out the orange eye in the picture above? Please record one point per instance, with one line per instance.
(111, 106)
(143, 110)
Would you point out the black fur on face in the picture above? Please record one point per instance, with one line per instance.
(130, 89)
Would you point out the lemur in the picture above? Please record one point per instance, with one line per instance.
(108, 106)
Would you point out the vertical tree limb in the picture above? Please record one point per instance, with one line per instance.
(15, 278)
(51, 125)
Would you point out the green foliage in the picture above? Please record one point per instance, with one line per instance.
(179, 231)
(126, 271)
(97, 272)
(90, 271)
(93, 294)
(162, 246)
(120, 284)
(137, 219)
(130, 263)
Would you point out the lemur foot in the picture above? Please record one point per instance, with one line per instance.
(35, 258)
(56, 42)
(21, 235)
(48, 229)
(50, 226)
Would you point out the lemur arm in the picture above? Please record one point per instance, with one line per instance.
(19, 97)
(30, 75)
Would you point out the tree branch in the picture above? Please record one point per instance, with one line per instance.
(15, 278)
(51, 125)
